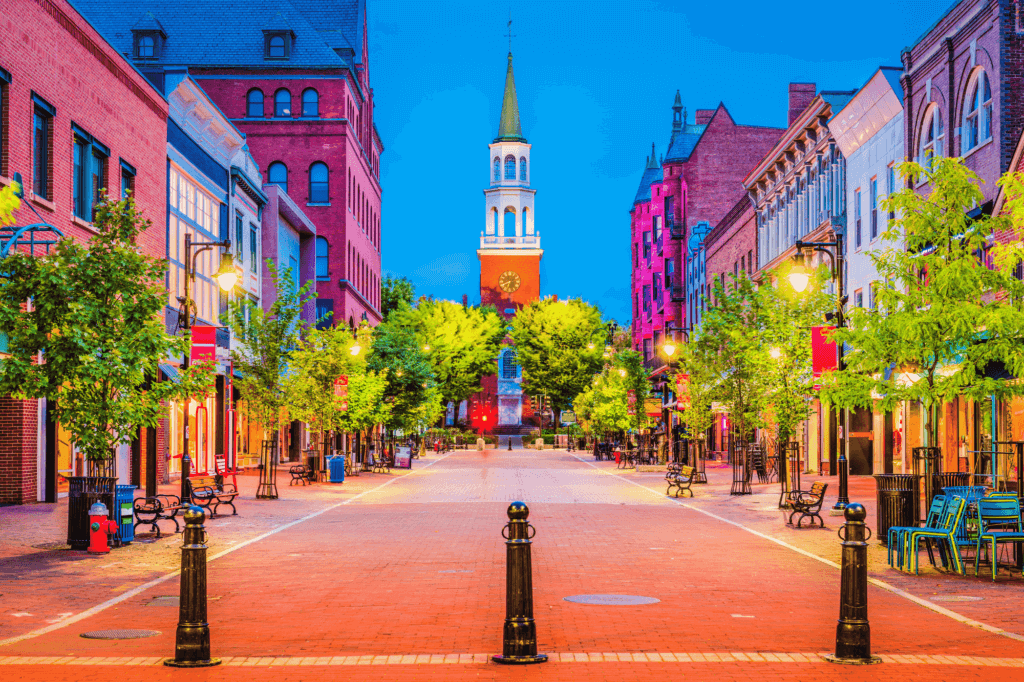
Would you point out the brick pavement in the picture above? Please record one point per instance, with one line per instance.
(417, 568)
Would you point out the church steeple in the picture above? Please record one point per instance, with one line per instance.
(509, 129)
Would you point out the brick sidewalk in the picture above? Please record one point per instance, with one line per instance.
(417, 568)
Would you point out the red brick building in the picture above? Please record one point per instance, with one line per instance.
(64, 91)
(731, 246)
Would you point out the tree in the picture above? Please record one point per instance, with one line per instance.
(266, 341)
(603, 406)
(394, 293)
(9, 203)
(559, 345)
(95, 312)
(460, 343)
(944, 316)
(411, 390)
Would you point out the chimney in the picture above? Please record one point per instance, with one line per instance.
(704, 116)
(800, 95)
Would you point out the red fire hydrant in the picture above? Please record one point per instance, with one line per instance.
(100, 529)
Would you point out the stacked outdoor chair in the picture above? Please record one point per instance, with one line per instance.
(998, 521)
(944, 532)
(896, 538)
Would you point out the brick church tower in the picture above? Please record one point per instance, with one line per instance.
(509, 252)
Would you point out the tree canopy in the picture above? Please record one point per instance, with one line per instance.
(394, 293)
(411, 391)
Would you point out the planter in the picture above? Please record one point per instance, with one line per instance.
(83, 491)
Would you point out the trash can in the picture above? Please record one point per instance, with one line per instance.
(336, 468)
(124, 511)
(898, 498)
(83, 491)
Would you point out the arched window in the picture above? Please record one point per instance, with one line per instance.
(310, 102)
(276, 47)
(282, 104)
(522, 169)
(510, 223)
(147, 46)
(254, 103)
(322, 250)
(497, 169)
(508, 364)
(318, 193)
(932, 136)
(277, 174)
(510, 167)
(977, 113)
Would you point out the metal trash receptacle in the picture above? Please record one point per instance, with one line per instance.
(124, 512)
(83, 491)
(336, 469)
(898, 500)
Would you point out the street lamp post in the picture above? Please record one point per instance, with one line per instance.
(799, 277)
(226, 278)
(670, 348)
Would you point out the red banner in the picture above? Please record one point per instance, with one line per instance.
(631, 402)
(341, 391)
(204, 343)
(824, 356)
(682, 391)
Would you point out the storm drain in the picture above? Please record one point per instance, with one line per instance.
(612, 599)
(120, 634)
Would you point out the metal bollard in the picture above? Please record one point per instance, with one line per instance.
(192, 640)
(853, 633)
(519, 643)
(510, 443)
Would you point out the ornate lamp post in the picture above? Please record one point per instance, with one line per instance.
(800, 277)
(226, 279)
(670, 349)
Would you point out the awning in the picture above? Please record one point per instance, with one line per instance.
(170, 373)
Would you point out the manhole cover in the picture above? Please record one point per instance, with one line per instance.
(957, 597)
(120, 634)
(164, 601)
(612, 599)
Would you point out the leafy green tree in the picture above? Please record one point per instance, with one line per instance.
(395, 292)
(559, 345)
(95, 312)
(266, 342)
(9, 203)
(460, 343)
(398, 354)
(943, 316)
(603, 405)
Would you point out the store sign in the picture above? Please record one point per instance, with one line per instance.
(683, 391)
(204, 343)
(652, 407)
(824, 357)
(631, 402)
(403, 457)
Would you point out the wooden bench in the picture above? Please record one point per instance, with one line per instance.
(158, 508)
(382, 465)
(808, 504)
(681, 481)
(300, 474)
(204, 492)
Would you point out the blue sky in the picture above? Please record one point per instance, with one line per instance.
(595, 82)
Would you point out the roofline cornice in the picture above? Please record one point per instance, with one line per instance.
(793, 133)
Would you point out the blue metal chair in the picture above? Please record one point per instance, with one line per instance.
(1003, 512)
(896, 532)
(944, 532)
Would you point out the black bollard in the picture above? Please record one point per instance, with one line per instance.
(510, 443)
(192, 640)
(519, 643)
(853, 633)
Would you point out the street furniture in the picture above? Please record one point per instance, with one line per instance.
(1002, 513)
(807, 504)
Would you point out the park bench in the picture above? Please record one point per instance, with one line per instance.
(300, 474)
(382, 464)
(681, 480)
(204, 492)
(149, 510)
(807, 503)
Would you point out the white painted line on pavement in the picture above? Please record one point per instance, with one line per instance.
(874, 581)
(164, 578)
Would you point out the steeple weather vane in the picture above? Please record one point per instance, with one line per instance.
(510, 34)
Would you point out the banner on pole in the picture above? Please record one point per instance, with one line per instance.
(631, 402)
(824, 356)
(341, 392)
(682, 391)
(204, 343)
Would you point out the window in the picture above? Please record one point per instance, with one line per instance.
(874, 207)
(497, 169)
(522, 169)
(656, 288)
(656, 220)
(277, 45)
(42, 135)
(98, 179)
(254, 103)
(318, 187)
(196, 213)
(89, 174)
(510, 167)
(239, 240)
(253, 249)
(872, 288)
(324, 313)
(856, 212)
(892, 188)
(322, 249)
(977, 127)
(310, 102)
(932, 136)
(750, 260)
(647, 244)
(858, 298)
(147, 47)
(80, 156)
(508, 364)
(277, 174)
(5, 79)
(636, 255)
(127, 179)
(670, 271)
(282, 104)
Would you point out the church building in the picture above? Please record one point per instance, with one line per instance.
(510, 256)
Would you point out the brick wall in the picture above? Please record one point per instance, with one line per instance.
(18, 428)
(732, 241)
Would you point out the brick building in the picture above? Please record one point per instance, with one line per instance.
(698, 180)
(293, 77)
(731, 246)
(64, 91)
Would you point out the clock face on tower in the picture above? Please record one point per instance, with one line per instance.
(509, 281)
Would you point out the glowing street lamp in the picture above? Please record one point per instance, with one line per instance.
(799, 276)
(775, 353)
(356, 348)
(669, 348)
